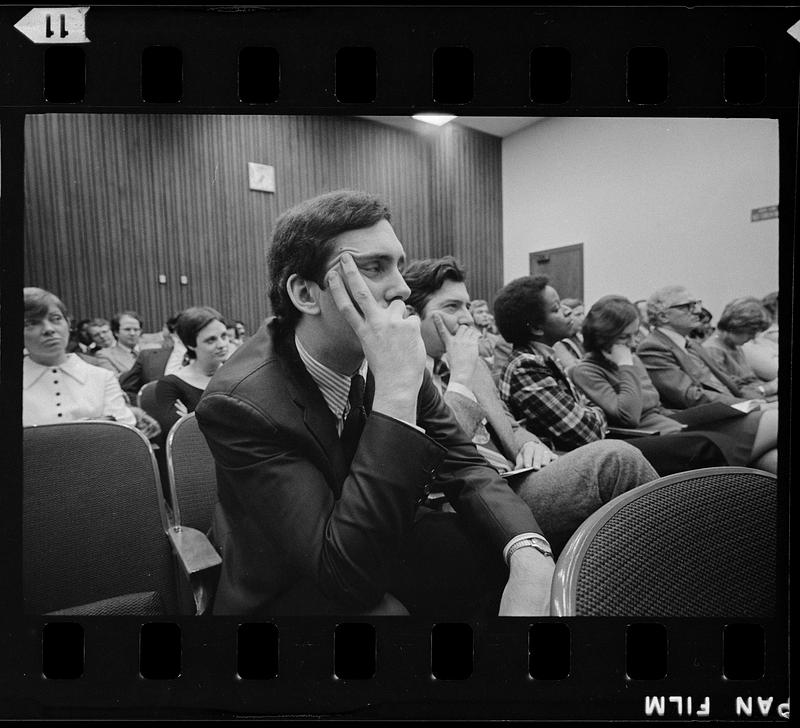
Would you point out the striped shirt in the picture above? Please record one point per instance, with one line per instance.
(335, 387)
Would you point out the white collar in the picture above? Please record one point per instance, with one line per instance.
(74, 367)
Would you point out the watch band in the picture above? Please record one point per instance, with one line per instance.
(539, 543)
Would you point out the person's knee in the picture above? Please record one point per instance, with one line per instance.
(619, 467)
(621, 456)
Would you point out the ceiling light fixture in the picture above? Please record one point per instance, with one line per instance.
(435, 119)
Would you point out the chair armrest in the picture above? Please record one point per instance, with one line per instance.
(198, 560)
(623, 432)
(193, 549)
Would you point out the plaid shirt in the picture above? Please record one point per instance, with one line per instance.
(536, 388)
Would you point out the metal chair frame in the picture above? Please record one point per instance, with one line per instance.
(567, 573)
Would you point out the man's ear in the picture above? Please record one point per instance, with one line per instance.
(535, 330)
(304, 294)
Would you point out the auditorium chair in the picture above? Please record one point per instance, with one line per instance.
(193, 494)
(146, 398)
(695, 544)
(93, 523)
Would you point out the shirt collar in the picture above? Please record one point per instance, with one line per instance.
(133, 350)
(674, 336)
(33, 372)
(335, 387)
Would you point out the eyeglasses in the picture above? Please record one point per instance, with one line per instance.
(689, 305)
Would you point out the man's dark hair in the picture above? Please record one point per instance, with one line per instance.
(426, 277)
(301, 241)
(172, 322)
(607, 319)
(520, 305)
(118, 316)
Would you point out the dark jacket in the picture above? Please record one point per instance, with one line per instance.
(681, 382)
(148, 367)
(291, 511)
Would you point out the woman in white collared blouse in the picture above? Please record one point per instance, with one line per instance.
(61, 387)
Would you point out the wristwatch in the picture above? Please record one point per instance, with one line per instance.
(540, 544)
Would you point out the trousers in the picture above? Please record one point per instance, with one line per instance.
(443, 570)
(567, 491)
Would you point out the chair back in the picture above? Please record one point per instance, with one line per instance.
(93, 522)
(192, 475)
(147, 397)
(695, 544)
(193, 495)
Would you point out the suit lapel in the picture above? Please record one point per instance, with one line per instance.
(691, 368)
(700, 352)
(317, 418)
(683, 358)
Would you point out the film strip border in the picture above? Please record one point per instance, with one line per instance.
(512, 669)
(564, 61)
(349, 58)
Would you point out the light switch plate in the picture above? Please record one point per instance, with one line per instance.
(262, 177)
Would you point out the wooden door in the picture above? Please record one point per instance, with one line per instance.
(563, 266)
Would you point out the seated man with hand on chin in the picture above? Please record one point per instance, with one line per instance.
(563, 491)
(328, 433)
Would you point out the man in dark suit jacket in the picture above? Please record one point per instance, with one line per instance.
(680, 368)
(312, 519)
(148, 367)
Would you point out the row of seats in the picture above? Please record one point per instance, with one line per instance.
(103, 540)
(100, 539)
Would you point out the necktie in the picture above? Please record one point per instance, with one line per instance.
(354, 423)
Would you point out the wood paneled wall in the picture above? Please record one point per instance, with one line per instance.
(114, 200)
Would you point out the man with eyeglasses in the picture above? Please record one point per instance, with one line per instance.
(680, 368)
(540, 394)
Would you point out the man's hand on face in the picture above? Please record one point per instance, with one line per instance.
(461, 348)
(391, 341)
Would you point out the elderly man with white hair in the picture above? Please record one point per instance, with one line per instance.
(686, 376)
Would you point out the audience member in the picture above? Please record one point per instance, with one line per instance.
(79, 339)
(681, 369)
(241, 331)
(482, 319)
(537, 390)
(127, 328)
(739, 323)
(152, 364)
(704, 327)
(644, 326)
(327, 432)
(565, 490)
(233, 342)
(493, 348)
(612, 376)
(203, 332)
(100, 333)
(762, 352)
(683, 372)
(569, 350)
(61, 387)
